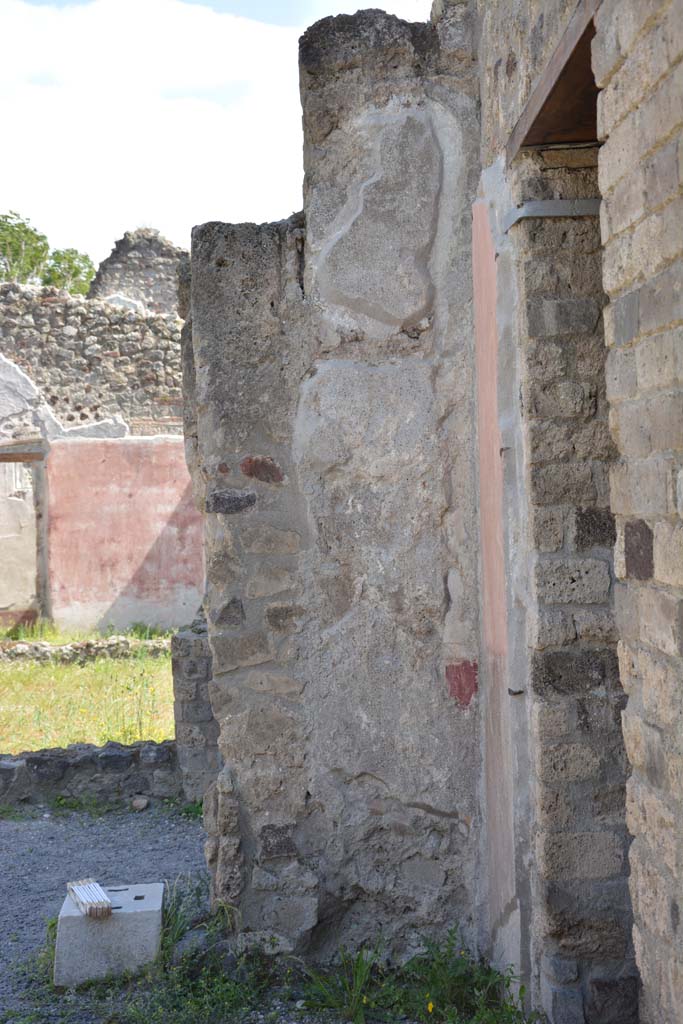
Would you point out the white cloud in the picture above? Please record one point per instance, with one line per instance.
(409, 10)
(122, 113)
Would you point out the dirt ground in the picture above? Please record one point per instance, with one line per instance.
(38, 855)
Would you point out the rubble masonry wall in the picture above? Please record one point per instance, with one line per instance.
(332, 360)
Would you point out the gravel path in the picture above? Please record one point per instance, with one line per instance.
(39, 855)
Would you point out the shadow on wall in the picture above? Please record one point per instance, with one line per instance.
(167, 587)
(124, 537)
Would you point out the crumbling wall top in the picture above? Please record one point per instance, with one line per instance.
(140, 273)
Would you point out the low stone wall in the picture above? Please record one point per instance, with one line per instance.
(109, 773)
(82, 650)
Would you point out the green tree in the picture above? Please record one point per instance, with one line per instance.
(25, 257)
(70, 269)
(23, 250)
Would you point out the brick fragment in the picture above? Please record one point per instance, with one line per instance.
(659, 360)
(643, 487)
(563, 484)
(262, 467)
(638, 550)
(462, 679)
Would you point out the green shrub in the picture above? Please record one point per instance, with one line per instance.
(443, 984)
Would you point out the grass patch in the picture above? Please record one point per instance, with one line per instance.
(46, 630)
(91, 805)
(444, 984)
(194, 810)
(46, 704)
(9, 812)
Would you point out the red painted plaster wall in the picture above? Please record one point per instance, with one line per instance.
(124, 539)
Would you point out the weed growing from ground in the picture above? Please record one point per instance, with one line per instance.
(8, 812)
(183, 899)
(443, 984)
(87, 804)
(193, 810)
(357, 988)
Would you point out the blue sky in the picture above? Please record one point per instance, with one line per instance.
(158, 113)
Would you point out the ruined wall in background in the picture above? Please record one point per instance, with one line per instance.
(92, 361)
(334, 424)
(25, 417)
(637, 62)
(140, 273)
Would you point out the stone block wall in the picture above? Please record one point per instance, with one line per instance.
(582, 915)
(92, 360)
(196, 727)
(332, 363)
(637, 59)
(516, 40)
(552, 682)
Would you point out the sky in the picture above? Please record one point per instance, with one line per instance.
(119, 114)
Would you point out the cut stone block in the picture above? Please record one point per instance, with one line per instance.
(88, 949)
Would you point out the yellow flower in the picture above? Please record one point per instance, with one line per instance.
(430, 1007)
(365, 999)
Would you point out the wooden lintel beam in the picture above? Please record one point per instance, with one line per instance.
(21, 456)
(22, 449)
(575, 43)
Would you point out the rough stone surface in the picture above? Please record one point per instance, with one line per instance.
(141, 272)
(110, 773)
(81, 651)
(329, 428)
(556, 656)
(331, 437)
(199, 760)
(92, 360)
(636, 57)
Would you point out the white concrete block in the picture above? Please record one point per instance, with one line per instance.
(88, 948)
